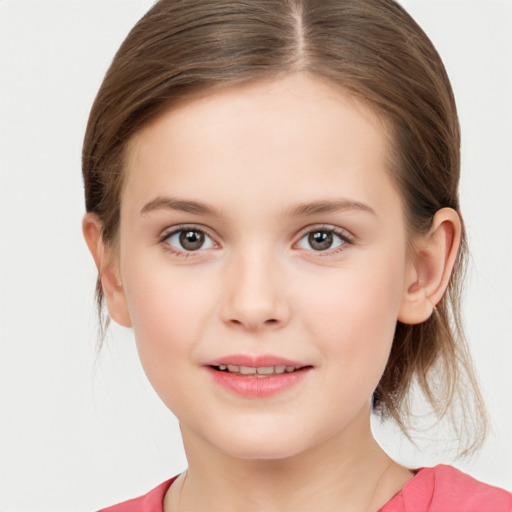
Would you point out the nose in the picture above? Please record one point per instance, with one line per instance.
(255, 293)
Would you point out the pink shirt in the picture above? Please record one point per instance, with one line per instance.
(438, 489)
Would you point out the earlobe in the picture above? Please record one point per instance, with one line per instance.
(108, 270)
(430, 268)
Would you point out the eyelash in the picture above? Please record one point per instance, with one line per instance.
(183, 229)
(342, 234)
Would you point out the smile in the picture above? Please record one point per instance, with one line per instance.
(259, 372)
(256, 376)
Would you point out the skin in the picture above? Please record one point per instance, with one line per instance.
(254, 154)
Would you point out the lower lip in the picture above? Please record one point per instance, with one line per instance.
(258, 387)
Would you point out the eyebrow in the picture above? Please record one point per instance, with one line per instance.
(301, 209)
(315, 207)
(182, 205)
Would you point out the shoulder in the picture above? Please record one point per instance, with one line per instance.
(445, 488)
(153, 501)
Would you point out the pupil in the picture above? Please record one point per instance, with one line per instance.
(320, 240)
(191, 240)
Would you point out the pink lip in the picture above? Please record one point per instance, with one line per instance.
(251, 385)
(254, 361)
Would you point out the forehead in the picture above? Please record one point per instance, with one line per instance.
(275, 133)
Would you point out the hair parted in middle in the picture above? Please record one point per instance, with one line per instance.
(371, 49)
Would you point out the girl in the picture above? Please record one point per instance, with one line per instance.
(272, 205)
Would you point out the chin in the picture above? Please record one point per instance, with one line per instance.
(255, 451)
(265, 445)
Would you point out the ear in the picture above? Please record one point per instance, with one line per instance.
(108, 270)
(430, 267)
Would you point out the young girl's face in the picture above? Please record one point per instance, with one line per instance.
(260, 228)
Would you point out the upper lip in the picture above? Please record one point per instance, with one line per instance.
(255, 361)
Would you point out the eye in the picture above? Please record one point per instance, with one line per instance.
(322, 240)
(189, 240)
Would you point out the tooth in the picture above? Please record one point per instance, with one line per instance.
(233, 368)
(222, 367)
(247, 370)
(280, 369)
(290, 369)
(265, 370)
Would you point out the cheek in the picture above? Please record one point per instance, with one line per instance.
(169, 314)
(354, 316)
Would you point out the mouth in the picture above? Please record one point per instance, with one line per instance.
(257, 376)
(260, 372)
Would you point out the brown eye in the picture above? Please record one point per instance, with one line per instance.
(189, 240)
(320, 240)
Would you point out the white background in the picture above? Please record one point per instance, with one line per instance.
(76, 433)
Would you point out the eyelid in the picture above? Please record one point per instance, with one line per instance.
(342, 232)
(170, 231)
(345, 235)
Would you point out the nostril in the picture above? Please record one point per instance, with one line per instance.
(269, 322)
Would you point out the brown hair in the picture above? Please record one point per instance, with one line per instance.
(371, 48)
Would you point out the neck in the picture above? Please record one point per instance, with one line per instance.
(347, 473)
